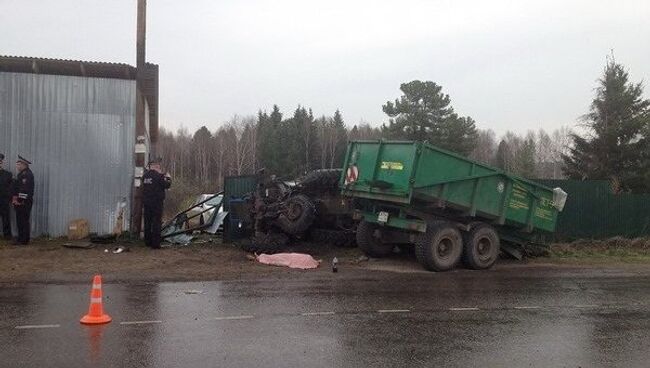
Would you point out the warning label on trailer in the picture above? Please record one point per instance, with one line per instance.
(351, 175)
(387, 165)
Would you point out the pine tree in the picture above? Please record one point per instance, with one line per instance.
(614, 147)
(423, 112)
(338, 125)
(503, 156)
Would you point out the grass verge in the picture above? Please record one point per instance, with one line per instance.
(616, 249)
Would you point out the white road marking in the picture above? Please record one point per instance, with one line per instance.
(27, 327)
(464, 309)
(317, 314)
(232, 318)
(528, 307)
(393, 311)
(585, 306)
(139, 322)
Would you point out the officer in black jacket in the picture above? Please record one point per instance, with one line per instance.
(23, 198)
(154, 184)
(6, 191)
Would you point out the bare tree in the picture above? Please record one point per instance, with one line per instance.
(486, 147)
(245, 138)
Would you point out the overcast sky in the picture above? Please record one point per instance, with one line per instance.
(511, 65)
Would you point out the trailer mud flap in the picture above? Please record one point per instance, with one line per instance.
(512, 250)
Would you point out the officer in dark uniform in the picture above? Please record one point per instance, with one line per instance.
(23, 198)
(154, 184)
(6, 191)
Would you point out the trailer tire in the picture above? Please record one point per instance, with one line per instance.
(481, 247)
(339, 238)
(298, 216)
(370, 243)
(440, 248)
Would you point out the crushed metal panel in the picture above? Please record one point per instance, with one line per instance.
(206, 214)
(79, 133)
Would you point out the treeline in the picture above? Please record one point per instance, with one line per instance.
(289, 147)
(614, 145)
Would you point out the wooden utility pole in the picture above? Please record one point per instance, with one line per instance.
(140, 129)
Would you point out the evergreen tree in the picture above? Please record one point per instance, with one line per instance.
(270, 140)
(457, 134)
(503, 156)
(614, 148)
(264, 141)
(338, 125)
(423, 112)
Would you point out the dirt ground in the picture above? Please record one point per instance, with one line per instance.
(49, 261)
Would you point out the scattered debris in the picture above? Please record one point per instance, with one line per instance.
(363, 258)
(120, 249)
(81, 245)
(291, 260)
(205, 215)
(78, 229)
(190, 292)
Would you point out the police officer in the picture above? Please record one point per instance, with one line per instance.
(6, 191)
(23, 198)
(154, 184)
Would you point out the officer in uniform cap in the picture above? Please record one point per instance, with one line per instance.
(23, 198)
(6, 191)
(154, 184)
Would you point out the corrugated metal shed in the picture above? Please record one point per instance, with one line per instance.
(79, 133)
(95, 69)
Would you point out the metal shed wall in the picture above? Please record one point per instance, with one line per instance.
(79, 133)
(592, 211)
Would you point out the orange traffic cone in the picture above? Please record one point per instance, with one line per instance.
(96, 313)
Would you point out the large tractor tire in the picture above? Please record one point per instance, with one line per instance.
(268, 243)
(440, 248)
(369, 240)
(481, 247)
(298, 215)
(339, 238)
(321, 180)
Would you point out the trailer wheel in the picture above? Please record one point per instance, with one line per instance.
(369, 240)
(481, 247)
(440, 248)
(298, 215)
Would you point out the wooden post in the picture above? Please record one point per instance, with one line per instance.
(140, 129)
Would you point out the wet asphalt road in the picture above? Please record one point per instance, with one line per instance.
(505, 318)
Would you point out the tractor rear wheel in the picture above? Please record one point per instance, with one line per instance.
(297, 215)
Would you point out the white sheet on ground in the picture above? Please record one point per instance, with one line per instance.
(291, 260)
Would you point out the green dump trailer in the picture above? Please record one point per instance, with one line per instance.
(448, 207)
